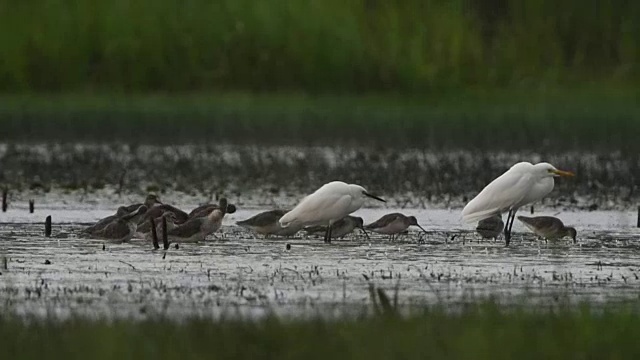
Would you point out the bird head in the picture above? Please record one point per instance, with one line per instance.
(363, 192)
(547, 170)
(231, 209)
(571, 232)
(413, 221)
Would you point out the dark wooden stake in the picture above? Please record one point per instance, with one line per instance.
(638, 224)
(532, 209)
(31, 206)
(154, 233)
(4, 200)
(47, 226)
(165, 241)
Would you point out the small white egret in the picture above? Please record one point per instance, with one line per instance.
(522, 184)
(330, 203)
(548, 227)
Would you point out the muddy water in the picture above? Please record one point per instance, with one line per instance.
(237, 273)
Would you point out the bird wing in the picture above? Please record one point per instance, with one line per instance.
(500, 195)
(317, 209)
(115, 230)
(383, 221)
(187, 229)
(264, 218)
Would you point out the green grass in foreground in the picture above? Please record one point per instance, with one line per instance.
(518, 119)
(479, 332)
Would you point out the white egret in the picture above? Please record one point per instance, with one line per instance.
(393, 224)
(330, 203)
(548, 227)
(522, 184)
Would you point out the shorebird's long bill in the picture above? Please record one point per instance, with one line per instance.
(563, 173)
(421, 228)
(373, 196)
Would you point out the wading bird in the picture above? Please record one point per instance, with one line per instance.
(150, 201)
(160, 209)
(267, 223)
(330, 203)
(522, 184)
(204, 210)
(548, 227)
(106, 221)
(197, 229)
(490, 228)
(144, 228)
(121, 229)
(341, 228)
(171, 224)
(393, 224)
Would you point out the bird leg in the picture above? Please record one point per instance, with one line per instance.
(508, 225)
(327, 235)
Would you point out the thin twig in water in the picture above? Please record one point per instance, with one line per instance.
(126, 263)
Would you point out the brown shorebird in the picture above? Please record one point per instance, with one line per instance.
(392, 224)
(548, 227)
(121, 229)
(144, 228)
(171, 224)
(341, 227)
(197, 229)
(150, 201)
(267, 223)
(490, 228)
(204, 210)
(160, 209)
(106, 221)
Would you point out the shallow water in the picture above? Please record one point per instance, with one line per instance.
(237, 273)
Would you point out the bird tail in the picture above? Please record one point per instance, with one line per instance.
(287, 219)
(479, 215)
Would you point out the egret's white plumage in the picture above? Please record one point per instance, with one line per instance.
(330, 203)
(522, 184)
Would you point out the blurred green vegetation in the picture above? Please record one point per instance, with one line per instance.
(316, 46)
(514, 121)
(483, 331)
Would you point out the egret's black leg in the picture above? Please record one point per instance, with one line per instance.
(507, 228)
(327, 236)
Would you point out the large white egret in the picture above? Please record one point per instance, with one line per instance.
(549, 227)
(325, 206)
(522, 184)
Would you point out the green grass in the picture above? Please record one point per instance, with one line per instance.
(316, 46)
(540, 120)
(483, 331)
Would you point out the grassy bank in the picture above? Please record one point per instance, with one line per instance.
(479, 332)
(501, 120)
(317, 46)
